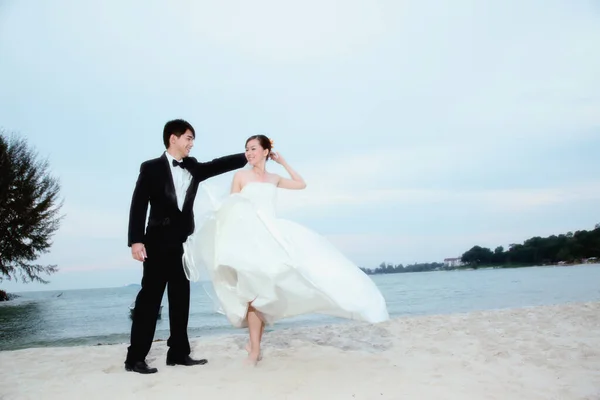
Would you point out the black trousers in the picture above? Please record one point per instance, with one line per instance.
(162, 268)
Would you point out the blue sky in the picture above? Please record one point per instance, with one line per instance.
(422, 128)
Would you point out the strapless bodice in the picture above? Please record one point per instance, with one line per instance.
(262, 194)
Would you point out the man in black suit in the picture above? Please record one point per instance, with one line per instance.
(169, 184)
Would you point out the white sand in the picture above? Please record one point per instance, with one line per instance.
(533, 353)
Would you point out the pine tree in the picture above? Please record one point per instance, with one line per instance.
(29, 210)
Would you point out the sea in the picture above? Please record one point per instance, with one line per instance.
(102, 316)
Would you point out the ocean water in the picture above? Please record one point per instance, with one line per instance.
(101, 316)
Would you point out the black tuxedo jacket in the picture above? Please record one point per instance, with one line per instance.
(168, 226)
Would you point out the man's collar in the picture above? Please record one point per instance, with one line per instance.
(171, 158)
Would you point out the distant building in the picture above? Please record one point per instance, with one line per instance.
(452, 262)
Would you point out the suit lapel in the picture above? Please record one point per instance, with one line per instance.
(169, 185)
(189, 194)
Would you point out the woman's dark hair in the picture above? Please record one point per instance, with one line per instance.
(176, 127)
(264, 142)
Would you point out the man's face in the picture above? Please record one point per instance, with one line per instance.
(183, 144)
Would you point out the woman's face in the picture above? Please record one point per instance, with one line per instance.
(255, 154)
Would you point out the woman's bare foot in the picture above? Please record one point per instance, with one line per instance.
(252, 359)
(249, 350)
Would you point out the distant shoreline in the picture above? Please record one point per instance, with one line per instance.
(472, 268)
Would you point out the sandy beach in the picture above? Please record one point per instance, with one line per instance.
(550, 352)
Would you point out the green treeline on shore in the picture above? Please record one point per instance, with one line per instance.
(569, 248)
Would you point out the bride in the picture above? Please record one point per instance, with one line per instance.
(264, 268)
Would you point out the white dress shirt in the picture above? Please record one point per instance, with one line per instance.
(181, 180)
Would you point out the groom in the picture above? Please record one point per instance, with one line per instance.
(169, 183)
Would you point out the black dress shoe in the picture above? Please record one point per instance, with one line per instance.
(187, 361)
(140, 367)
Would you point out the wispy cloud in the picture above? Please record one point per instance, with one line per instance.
(508, 200)
(123, 262)
(94, 223)
(414, 248)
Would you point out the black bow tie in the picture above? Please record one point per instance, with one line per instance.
(178, 164)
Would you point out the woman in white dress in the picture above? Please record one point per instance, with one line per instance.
(264, 268)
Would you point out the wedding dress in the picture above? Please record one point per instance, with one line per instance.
(283, 268)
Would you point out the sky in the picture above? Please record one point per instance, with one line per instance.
(422, 128)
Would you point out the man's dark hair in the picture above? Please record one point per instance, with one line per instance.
(176, 127)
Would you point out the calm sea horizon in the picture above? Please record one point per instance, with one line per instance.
(101, 316)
